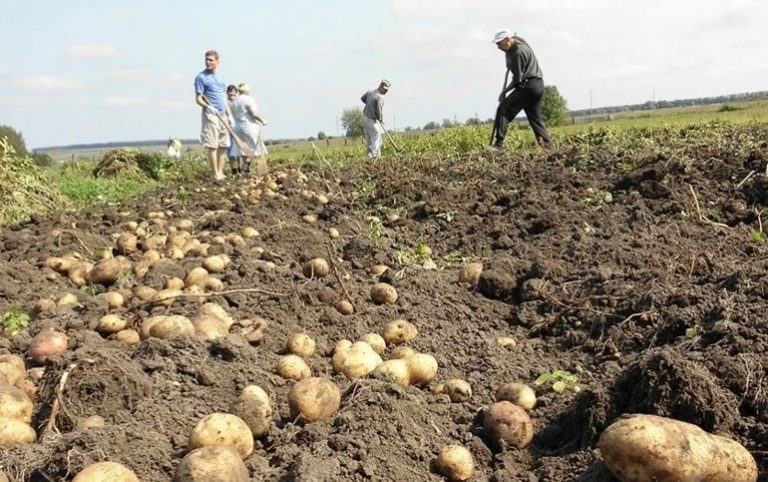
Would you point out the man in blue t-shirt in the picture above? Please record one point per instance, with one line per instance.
(210, 91)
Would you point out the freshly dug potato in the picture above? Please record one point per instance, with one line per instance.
(216, 311)
(145, 293)
(455, 463)
(209, 328)
(147, 324)
(217, 463)
(383, 294)
(107, 271)
(506, 342)
(14, 403)
(61, 265)
(175, 254)
(196, 277)
(258, 329)
(301, 344)
(223, 429)
(249, 232)
(154, 243)
(174, 284)
(339, 354)
(518, 393)
(114, 300)
(215, 264)
(129, 337)
(402, 352)
(213, 284)
(27, 386)
(293, 367)
(314, 399)
(94, 421)
(111, 324)
(376, 341)
(166, 297)
(127, 243)
(191, 246)
(333, 233)
(172, 327)
(79, 273)
(235, 240)
(395, 371)
(253, 406)
(507, 425)
(470, 274)
(68, 300)
(14, 432)
(43, 305)
(106, 472)
(640, 448)
(358, 360)
(344, 307)
(378, 269)
(457, 390)
(422, 368)
(12, 366)
(399, 331)
(316, 268)
(309, 218)
(47, 344)
(185, 224)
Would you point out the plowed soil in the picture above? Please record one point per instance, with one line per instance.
(646, 284)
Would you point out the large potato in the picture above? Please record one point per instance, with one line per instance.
(648, 448)
(218, 463)
(301, 344)
(12, 366)
(376, 341)
(215, 264)
(470, 274)
(14, 403)
(520, 394)
(253, 406)
(316, 268)
(127, 243)
(172, 327)
(107, 271)
(422, 368)
(507, 425)
(457, 390)
(106, 472)
(14, 432)
(147, 324)
(314, 399)
(293, 367)
(111, 324)
(196, 277)
(399, 331)
(358, 360)
(223, 429)
(395, 371)
(209, 328)
(455, 463)
(216, 311)
(383, 293)
(47, 344)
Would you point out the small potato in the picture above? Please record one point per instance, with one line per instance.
(395, 371)
(61, 265)
(175, 254)
(216, 311)
(301, 344)
(214, 264)
(166, 297)
(376, 341)
(258, 330)
(506, 342)
(455, 463)
(253, 406)
(68, 299)
(457, 390)
(127, 244)
(218, 240)
(358, 360)
(111, 324)
(422, 368)
(293, 367)
(114, 300)
(213, 284)
(12, 366)
(507, 425)
(314, 399)
(470, 274)
(402, 352)
(47, 344)
(333, 233)
(148, 323)
(223, 429)
(185, 224)
(309, 218)
(129, 337)
(518, 393)
(378, 269)
(196, 277)
(43, 306)
(94, 421)
(144, 293)
(344, 307)
(399, 331)
(383, 293)
(316, 268)
(209, 328)
(174, 284)
(235, 240)
(640, 448)
(106, 472)
(14, 403)
(217, 463)
(172, 327)
(249, 232)
(15, 432)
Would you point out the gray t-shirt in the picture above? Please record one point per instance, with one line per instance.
(374, 105)
(522, 62)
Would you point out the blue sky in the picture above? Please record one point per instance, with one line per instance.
(93, 71)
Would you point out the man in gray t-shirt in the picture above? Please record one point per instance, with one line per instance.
(373, 118)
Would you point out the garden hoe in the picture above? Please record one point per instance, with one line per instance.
(261, 165)
(394, 146)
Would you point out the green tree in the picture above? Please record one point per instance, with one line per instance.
(352, 121)
(14, 138)
(321, 136)
(431, 125)
(555, 108)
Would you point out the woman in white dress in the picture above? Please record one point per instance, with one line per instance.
(248, 124)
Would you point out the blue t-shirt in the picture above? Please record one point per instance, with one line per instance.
(213, 87)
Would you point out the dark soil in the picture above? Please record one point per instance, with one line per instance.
(612, 276)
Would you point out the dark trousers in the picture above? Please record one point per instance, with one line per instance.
(530, 98)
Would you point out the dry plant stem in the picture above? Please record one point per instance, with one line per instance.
(751, 173)
(58, 403)
(74, 235)
(217, 293)
(336, 275)
(701, 216)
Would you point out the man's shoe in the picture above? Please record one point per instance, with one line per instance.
(494, 148)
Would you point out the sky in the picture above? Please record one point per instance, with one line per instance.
(86, 71)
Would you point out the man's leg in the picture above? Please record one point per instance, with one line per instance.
(506, 113)
(368, 134)
(377, 138)
(221, 153)
(534, 112)
(212, 153)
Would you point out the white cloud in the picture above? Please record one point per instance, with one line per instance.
(84, 51)
(20, 101)
(125, 101)
(135, 73)
(47, 84)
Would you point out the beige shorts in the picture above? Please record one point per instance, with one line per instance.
(213, 133)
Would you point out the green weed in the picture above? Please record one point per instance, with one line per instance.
(561, 381)
(13, 321)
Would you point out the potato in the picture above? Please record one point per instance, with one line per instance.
(14, 403)
(145, 293)
(127, 244)
(218, 463)
(79, 273)
(235, 240)
(129, 337)
(148, 323)
(191, 246)
(344, 307)
(172, 327)
(293, 367)
(518, 393)
(402, 352)
(174, 284)
(639, 448)
(43, 306)
(185, 224)
(309, 218)
(209, 328)
(378, 269)
(154, 243)
(376, 341)
(214, 264)
(166, 297)
(213, 284)
(14, 432)
(457, 390)
(507, 425)
(12, 366)
(314, 399)
(111, 324)
(455, 463)
(399, 331)
(358, 360)
(114, 300)
(223, 429)
(106, 472)
(61, 265)
(196, 277)
(151, 256)
(47, 344)
(94, 421)
(249, 232)
(339, 354)
(258, 330)
(216, 311)
(316, 268)
(218, 240)
(253, 406)
(383, 293)
(27, 386)
(395, 371)
(333, 233)
(301, 344)
(506, 342)
(67, 300)
(107, 271)
(422, 368)
(470, 274)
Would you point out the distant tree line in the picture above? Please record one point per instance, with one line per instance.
(665, 104)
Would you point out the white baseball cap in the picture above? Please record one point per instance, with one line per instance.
(501, 35)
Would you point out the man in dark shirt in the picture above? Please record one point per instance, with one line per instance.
(527, 89)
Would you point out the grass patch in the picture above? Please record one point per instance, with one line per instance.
(84, 192)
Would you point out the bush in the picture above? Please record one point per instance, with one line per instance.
(15, 140)
(132, 164)
(352, 121)
(42, 159)
(555, 109)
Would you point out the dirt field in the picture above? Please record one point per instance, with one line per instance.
(609, 275)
